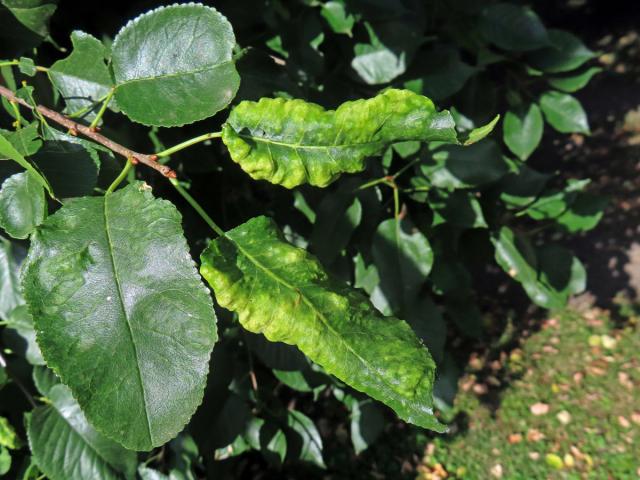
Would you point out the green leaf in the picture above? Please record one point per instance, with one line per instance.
(377, 63)
(283, 292)
(367, 423)
(66, 447)
(27, 66)
(440, 73)
(310, 442)
(33, 14)
(338, 215)
(574, 83)
(548, 274)
(404, 258)
(173, 65)
(453, 166)
(26, 140)
(8, 436)
(479, 133)
(521, 188)
(22, 205)
(458, 208)
(83, 77)
(564, 112)
(292, 142)
(5, 460)
(21, 322)
(337, 17)
(113, 274)
(70, 168)
(513, 27)
(522, 131)
(565, 53)
(10, 296)
(7, 150)
(44, 379)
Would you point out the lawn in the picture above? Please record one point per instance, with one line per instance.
(571, 410)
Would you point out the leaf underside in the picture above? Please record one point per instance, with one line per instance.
(283, 292)
(121, 314)
(292, 142)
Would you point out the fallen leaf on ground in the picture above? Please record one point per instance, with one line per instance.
(564, 417)
(539, 409)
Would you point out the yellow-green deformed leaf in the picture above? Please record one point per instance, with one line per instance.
(292, 142)
(283, 292)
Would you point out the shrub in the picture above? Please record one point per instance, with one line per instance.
(344, 201)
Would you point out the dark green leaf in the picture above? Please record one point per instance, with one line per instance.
(22, 205)
(83, 77)
(173, 65)
(44, 379)
(521, 188)
(513, 27)
(458, 208)
(338, 215)
(367, 423)
(574, 83)
(440, 73)
(291, 142)
(377, 63)
(21, 322)
(548, 274)
(464, 167)
(113, 274)
(403, 257)
(565, 53)
(309, 440)
(522, 131)
(564, 112)
(66, 447)
(27, 66)
(283, 292)
(70, 168)
(10, 296)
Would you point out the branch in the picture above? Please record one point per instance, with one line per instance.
(74, 128)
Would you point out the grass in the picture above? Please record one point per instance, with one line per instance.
(571, 411)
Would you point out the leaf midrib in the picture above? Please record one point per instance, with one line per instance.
(175, 74)
(320, 315)
(124, 313)
(297, 146)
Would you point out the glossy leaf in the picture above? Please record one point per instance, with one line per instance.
(367, 424)
(513, 27)
(522, 131)
(573, 83)
(548, 274)
(453, 166)
(283, 292)
(83, 77)
(481, 132)
(113, 274)
(377, 63)
(10, 295)
(24, 343)
(22, 205)
(403, 257)
(521, 188)
(7, 150)
(292, 142)
(173, 65)
(26, 140)
(564, 112)
(66, 447)
(25, 24)
(566, 53)
(310, 448)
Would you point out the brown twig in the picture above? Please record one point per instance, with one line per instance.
(74, 128)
